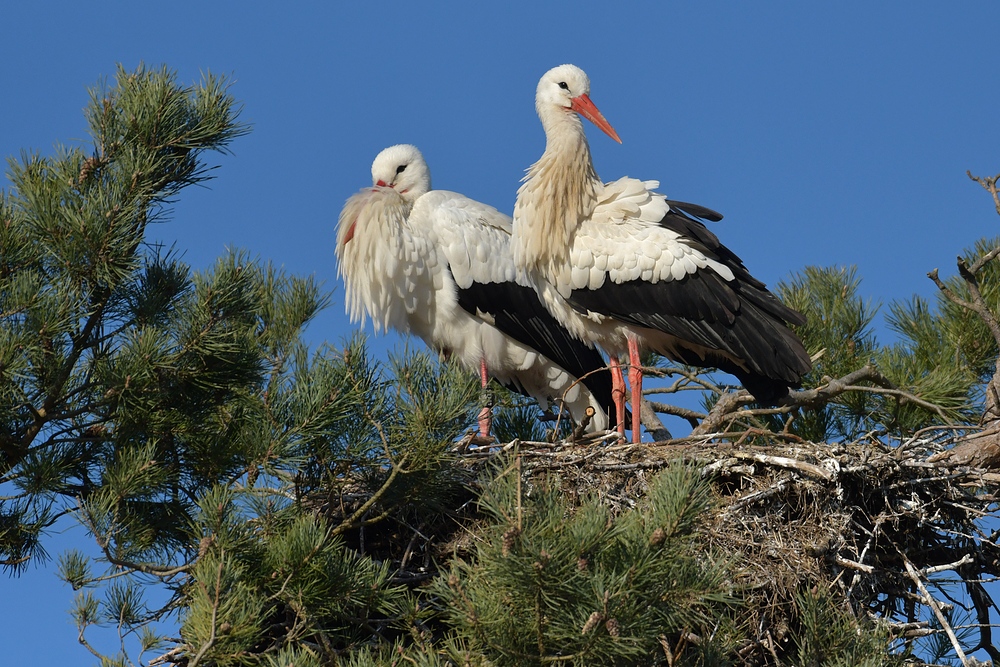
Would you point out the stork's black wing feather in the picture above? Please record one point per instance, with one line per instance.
(695, 210)
(738, 325)
(517, 311)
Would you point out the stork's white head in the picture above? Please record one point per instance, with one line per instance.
(567, 89)
(402, 168)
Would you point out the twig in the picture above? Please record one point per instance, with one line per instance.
(562, 401)
(581, 428)
(965, 560)
(853, 565)
(520, 481)
(784, 462)
(989, 183)
(653, 465)
(167, 657)
(763, 494)
(906, 630)
(727, 409)
(692, 416)
(978, 304)
(876, 527)
(913, 440)
(724, 411)
(932, 603)
(691, 377)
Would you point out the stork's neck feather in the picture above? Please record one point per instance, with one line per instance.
(370, 244)
(559, 191)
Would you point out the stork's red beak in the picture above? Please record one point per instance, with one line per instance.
(583, 106)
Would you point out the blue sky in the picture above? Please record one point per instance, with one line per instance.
(827, 134)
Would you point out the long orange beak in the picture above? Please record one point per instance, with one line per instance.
(583, 106)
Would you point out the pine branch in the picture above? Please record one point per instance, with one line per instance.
(989, 183)
(983, 603)
(727, 408)
(396, 467)
(215, 612)
(979, 306)
(104, 542)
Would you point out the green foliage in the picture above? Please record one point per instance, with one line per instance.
(179, 415)
(517, 418)
(929, 363)
(517, 422)
(838, 324)
(830, 637)
(947, 353)
(294, 572)
(96, 329)
(550, 581)
(271, 495)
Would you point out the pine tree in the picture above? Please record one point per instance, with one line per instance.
(310, 507)
(178, 414)
(110, 351)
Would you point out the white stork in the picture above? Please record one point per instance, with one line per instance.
(438, 264)
(623, 267)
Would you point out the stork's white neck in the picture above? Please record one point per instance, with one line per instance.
(559, 191)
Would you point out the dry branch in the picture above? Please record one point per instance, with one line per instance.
(730, 406)
(934, 607)
(989, 183)
(981, 449)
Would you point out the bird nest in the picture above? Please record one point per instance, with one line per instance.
(894, 530)
(897, 532)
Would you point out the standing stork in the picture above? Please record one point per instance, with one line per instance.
(438, 264)
(623, 267)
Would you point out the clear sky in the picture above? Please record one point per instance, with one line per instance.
(826, 133)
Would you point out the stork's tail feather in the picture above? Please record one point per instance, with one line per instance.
(766, 391)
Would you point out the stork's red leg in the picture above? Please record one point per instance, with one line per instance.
(485, 414)
(618, 392)
(635, 380)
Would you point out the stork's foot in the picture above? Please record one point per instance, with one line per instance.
(635, 382)
(472, 440)
(488, 399)
(618, 392)
(482, 441)
(485, 422)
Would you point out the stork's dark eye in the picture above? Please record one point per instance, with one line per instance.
(400, 168)
(563, 85)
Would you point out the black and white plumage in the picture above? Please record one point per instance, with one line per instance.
(438, 264)
(623, 267)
